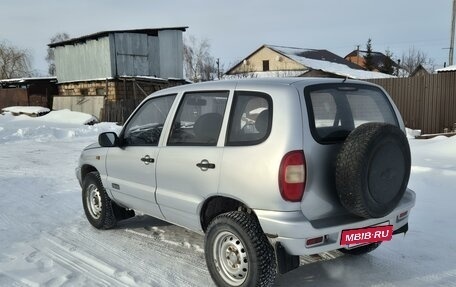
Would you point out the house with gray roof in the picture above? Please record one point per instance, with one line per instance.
(280, 61)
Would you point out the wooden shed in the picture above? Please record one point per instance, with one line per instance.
(108, 71)
(28, 92)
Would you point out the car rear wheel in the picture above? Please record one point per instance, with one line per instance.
(238, 253)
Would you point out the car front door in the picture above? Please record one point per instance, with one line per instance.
(131, 167)
(189, 164)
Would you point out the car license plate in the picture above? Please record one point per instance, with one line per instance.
(366, 235)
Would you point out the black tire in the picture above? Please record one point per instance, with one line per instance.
(361, 250)
(238, 236)
(99, 213)
(373, 169)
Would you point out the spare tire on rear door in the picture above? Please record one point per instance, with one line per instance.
(373, 169)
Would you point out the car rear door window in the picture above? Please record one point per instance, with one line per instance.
(250, 119)
(199, 118)
(337, 109)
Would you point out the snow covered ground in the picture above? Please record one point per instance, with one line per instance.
(46, 241)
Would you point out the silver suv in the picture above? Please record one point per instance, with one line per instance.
(267, 169)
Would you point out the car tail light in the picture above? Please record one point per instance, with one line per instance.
(315, 241)
(292, 176)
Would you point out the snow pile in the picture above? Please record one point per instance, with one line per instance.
(29, 110)
(62, 124)
(411, 134)
(69, 117)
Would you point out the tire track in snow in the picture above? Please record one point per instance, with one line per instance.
(91, 267)
(145, 267)
(155, 248)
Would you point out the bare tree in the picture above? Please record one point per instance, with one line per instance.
(413, 58)
(14, 62)
(50, 57)
(199, 64)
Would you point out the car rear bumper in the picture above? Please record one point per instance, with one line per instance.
(292, 229)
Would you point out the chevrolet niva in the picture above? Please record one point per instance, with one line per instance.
(267, 169)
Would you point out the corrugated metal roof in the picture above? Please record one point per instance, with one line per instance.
(148, 31)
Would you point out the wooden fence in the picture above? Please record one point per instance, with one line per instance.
(13, 97)
(119, 111)
(426, 102)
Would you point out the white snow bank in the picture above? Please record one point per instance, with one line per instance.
(61, 117)
(69, 117)
(438, 152)
(26, 110)
(62, 124)
(411, 134)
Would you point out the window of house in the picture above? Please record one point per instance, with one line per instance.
(266, 65)
(250, 119)
(145, 128)
(198, 120)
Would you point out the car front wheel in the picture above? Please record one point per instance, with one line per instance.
(97, 204)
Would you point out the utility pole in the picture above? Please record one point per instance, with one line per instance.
(218, 67)
(453, 23)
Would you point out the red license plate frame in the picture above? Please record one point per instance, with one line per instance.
(366, 235)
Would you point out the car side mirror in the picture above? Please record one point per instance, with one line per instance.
(108, 139)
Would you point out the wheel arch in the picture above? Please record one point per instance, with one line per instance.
(86, 169)
(216, 205)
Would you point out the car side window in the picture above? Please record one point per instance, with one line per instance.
(145, 128)
(251, 118)
(199, 119)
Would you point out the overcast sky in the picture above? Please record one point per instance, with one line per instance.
(236, 28)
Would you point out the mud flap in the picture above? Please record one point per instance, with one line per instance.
(285, 261)
(403, 229)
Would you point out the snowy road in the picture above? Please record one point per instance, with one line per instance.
(46, 240)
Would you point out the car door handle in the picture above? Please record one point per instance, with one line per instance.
(147, 159)
(205, 165)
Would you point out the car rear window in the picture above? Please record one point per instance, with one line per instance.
(337, 109)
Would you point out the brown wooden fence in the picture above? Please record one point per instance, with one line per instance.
(13, 97)
(119, 111)
(426, 102)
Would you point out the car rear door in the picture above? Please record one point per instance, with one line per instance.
(188, 166)
(131, 167)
